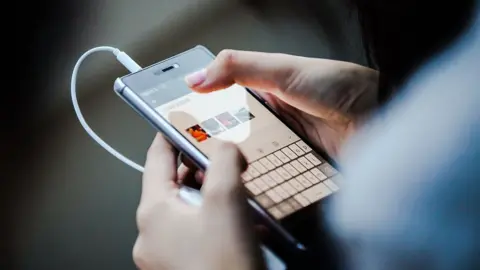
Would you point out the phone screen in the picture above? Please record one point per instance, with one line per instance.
(284, 173)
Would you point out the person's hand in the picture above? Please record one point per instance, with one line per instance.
(175, 235)
(323, 100)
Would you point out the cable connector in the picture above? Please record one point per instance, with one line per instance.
(127, 61)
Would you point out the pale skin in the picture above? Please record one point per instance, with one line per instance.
(324, 100)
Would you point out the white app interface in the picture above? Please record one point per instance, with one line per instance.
(284, 173)
(229, 115)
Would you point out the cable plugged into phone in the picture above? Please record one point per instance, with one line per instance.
(189, 195)
(127, 61)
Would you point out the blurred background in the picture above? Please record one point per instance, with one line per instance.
(68, 204)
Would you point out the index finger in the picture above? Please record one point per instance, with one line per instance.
(159, 177)
(257, 70)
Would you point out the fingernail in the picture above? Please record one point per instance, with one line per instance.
(196, 78)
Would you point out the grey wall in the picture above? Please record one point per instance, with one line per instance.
(78, 208)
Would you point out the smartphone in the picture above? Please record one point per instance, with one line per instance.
(287, 179)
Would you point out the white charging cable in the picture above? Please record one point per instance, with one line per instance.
(189, 195)
(128, 63)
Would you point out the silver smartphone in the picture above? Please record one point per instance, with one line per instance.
(287, 179)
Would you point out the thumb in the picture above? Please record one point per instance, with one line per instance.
(225, 209)
(222, 184)
(256, 70)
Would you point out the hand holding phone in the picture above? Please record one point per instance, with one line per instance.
(322, 99)
(173, 229)
(289, 177)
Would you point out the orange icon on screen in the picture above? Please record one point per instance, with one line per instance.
(198, 133)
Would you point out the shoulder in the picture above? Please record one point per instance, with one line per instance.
(412, 174)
